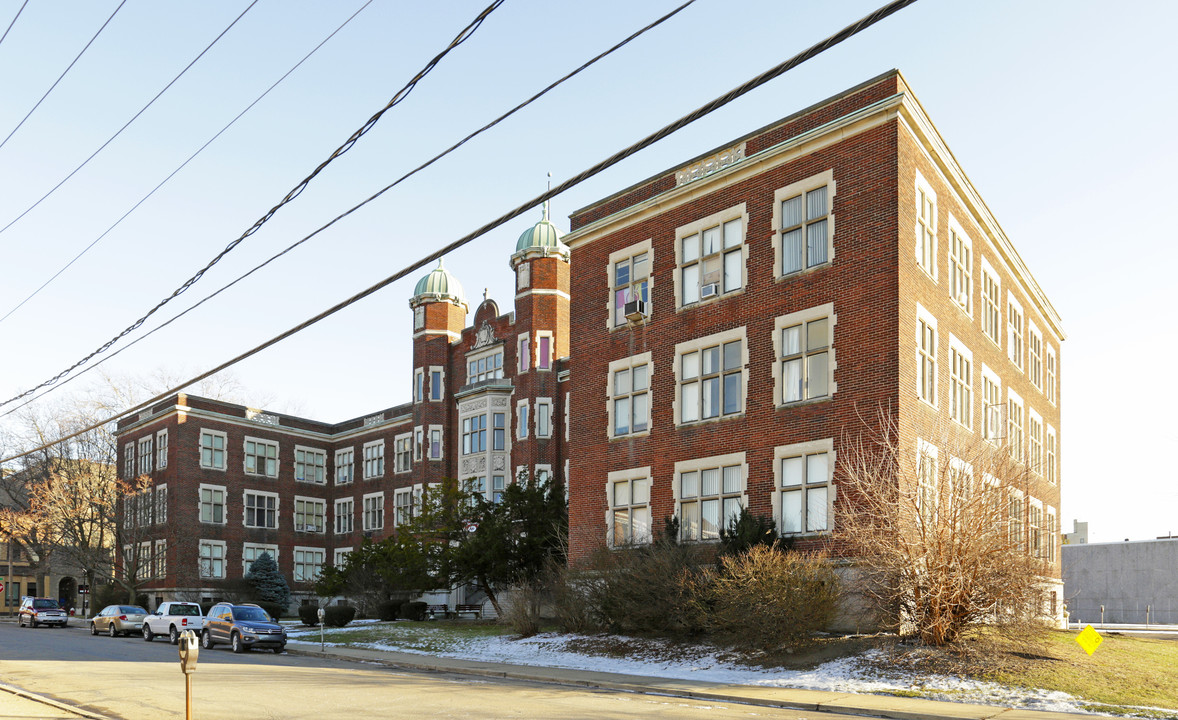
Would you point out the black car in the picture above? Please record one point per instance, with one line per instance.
(242, 626)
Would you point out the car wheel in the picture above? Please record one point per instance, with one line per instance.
(174, 635)
(148, 635)
(235, 641)
(280, 649)
(110, 630)
(93, 629)
(206, 640)
(34, 625)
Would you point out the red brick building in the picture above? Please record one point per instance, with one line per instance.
(723, 326)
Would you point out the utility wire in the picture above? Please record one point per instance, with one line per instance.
(128, 123)
(747, 87)
(18, 12)
(398, 181)
(63, 74)
(183, 165)
(298, 189)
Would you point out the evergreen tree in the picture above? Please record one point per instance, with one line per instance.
(268, 583)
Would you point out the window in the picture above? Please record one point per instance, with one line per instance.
(418, 385)
(1014, 422)
(711, 376)
(1035, 355)
(344, 466)
(960, 267)
(403, 453)
(805, 359)
(498, 486)
(212, 504)
(129, 509)
(250, 552)
(711, 256)
(145, 455)
(926, 227)
(373, 511)
(1050, 469)
(161, 449)
(1051, 535)
(476, 487)
(344, 518)
(161, 504)
(435, 443)
(373, 459)
(1035, 445)
(991, 406)
(1035, 529)
(926, 356)
(437, 387)
(708, 498)
(521, 411)
(261, 509)
(212, 450)
(630, 280)
(161, 558)
(261, 457)
(926, 480)
(803, 481)
(129, 461)
(498, 431)
(145, 507)
(402, 505)
(212, 559)
(960, 383)
(629, 407)
(418, 441)
(146, 560)
(1049, 380)
(308, 563)
(543, 418)
(310, 514)
(544, 351)
(310, 465)
(804, 224)
(525, 353)
(629, 503)
(1014, 325)
(543, 475)
(341, 556)
(474, 434)
(1015, 519)
(991, 319)
(485, 367)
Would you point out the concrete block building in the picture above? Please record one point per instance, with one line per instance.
(696, 343)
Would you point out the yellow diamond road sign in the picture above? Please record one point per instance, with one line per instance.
(1089, 639)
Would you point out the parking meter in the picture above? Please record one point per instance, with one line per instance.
(321, 614)
(189, 652)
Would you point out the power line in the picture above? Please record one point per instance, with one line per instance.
(747, 87)
(63, 74)
(18, 12)
(290, 196)
(128, 123)
(183, 164)
(398, 181)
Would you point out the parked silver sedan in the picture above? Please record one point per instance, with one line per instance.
(115, 620)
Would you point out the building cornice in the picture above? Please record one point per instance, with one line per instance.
(200, 413)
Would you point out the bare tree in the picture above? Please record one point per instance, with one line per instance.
(941, 529)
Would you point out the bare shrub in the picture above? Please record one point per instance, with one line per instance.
(767, 598)
(941, 532)
(522, 613)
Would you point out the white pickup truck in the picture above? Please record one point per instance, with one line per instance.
(172, 619)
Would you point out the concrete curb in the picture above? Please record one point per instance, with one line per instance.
(51, 702)
(884, 706)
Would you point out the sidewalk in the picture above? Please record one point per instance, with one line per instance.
(17, 703)
(814, 700)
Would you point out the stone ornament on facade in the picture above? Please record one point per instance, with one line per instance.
(263, 418)
(485, 336)
(709, 165)
(373, 419)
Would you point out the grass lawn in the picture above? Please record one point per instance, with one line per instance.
(431, 636)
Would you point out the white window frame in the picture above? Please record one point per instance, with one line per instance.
(161, 504)
(698, 466)
(698, 345)
(340, 556)
(543, 417)
(372, 509)
(200, 503)
(1016, 329)
(960, 383)
(313, 507)
(403, 453)
(245, 509)
(803, 318)
(161, 558)
(960, 267)
(1051, 373)
(437, 383)
(247, 456)
(306, 558)
(258, 549)
(991, 303)
(215, 557)
(474, 433)
(161, 450)
(345, 460)
(492, 362)
(927, 479)
(224, 450)
(926, 357)
(373, 453)
(1035, 441)
(993, 407)
(717, 221)
(523, 419)
(129, 452)
(402, 506)
(1035, 354)
(146, 455)
(545, 360)
(1016, 425)
(418, 443)
(825, 483)
(523, 348)
(802, 188)
(1051, 455)
(926, 227)
(1051, 517)
(615, 318)
(418, 385)
(321, 466)
(344, 516)
(615, 399)
(436, 438)
(631, 479)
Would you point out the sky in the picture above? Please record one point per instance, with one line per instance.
(1061, 114)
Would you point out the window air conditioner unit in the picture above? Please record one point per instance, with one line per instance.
(636, 310)
(298, 526)
(709, 290)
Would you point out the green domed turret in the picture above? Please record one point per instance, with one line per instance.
(439, 285)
